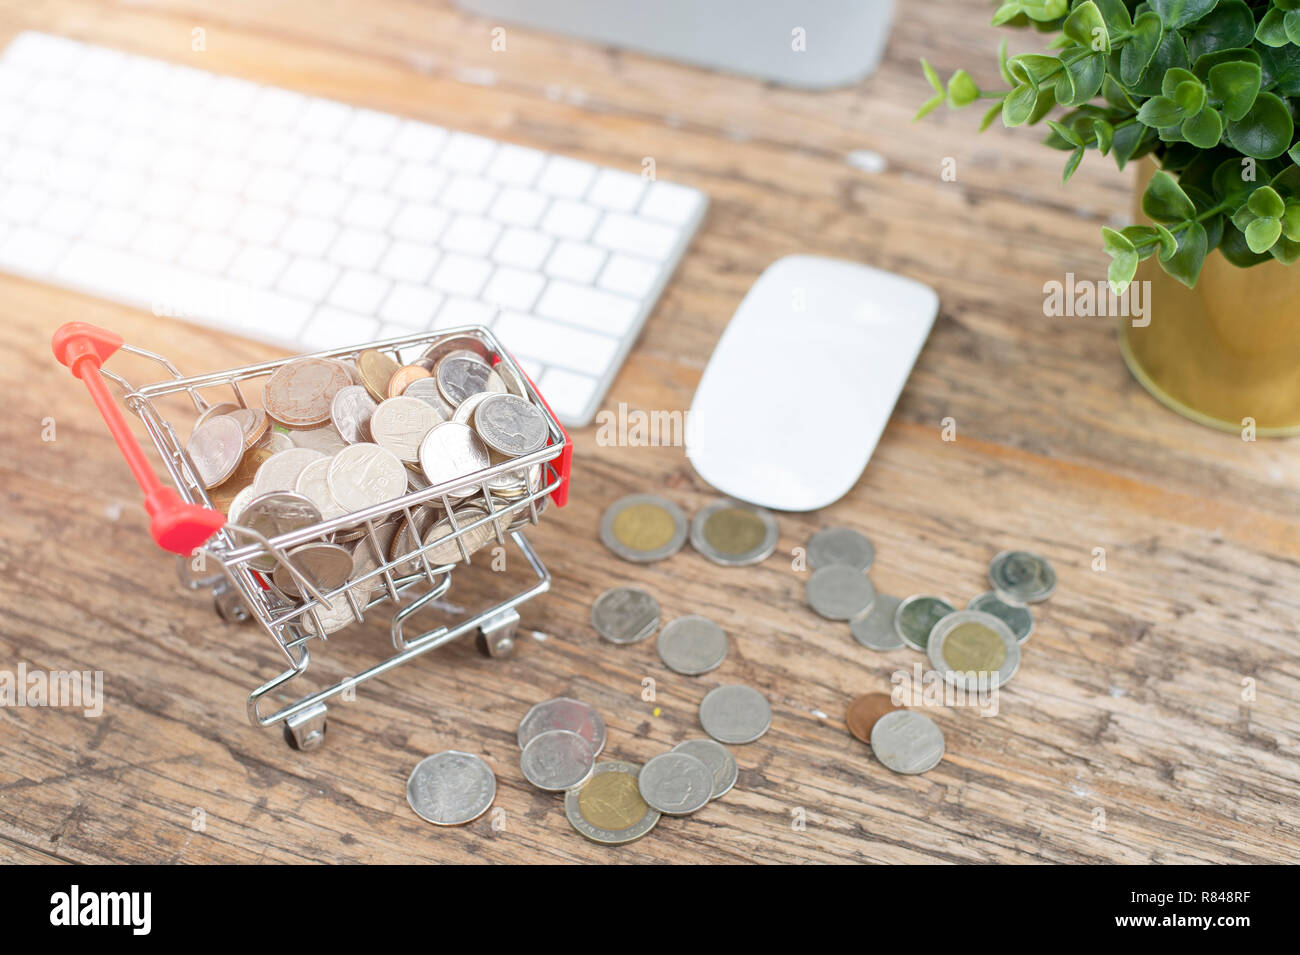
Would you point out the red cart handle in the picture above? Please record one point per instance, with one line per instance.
(176, 525)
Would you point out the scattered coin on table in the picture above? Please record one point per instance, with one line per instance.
(451, 788)
(643, 528)
(676, 783)
(563, 713)
(1022, 577)
(608, 807)
(625, 614)
(839, 592)
(734, 534)
(970, 647)
(692, 645)
(715, 756)
(1015, 616)
(907, 742)
(735, 714)
(840, 545)
(875, 629)
(916, 617)
(557, 760)
(865, 710)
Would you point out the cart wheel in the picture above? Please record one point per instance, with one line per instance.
(306, 731)
(496, 635)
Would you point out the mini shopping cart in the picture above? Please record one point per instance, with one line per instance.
(184, 521)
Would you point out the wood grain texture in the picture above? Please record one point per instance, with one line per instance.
(1130, 697)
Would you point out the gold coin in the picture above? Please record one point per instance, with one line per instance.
(974, 647)
(241, 478)
(644, 527)
(734, 530)
(612, 801)
(376, 370)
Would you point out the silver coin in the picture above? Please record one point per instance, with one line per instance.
(368, 555)
(426, 389)
(446, 346)
(363, 475)
(274, 514)
(473, 538)
(916, 617)
(464, 413)
(511, 425)
(735, 714)
(326, 566)
(563, 713)
(643, 528)
(875, 628)
(450, 452)
(692, 645)
(462, 375)
(275, 441)
(239, 502)
(325, 439)
(224, 407)
(216, 448)
(676, 783)
(400, 424)
(332, 618)
(625, 614)
(514, 383)
(313, 484)
(907, 742)
(713, 533)
(839, 592)
(840, 545)
(1022, 577)
(557, 760)
(573, 802)
(280, 471)
(1015, 616)
(451, 788)
(715, 756)
(970, 678)
(350, 412)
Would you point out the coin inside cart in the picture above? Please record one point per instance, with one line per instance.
(643, 527)
(734, 534)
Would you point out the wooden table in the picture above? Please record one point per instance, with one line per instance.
(1154, 717)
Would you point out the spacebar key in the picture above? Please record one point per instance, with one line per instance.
(555, 344)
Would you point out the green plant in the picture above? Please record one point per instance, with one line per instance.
(1208, 88)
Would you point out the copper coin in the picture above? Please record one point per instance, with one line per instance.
(865, 710)
(299, 393)
(224, 493)
(254, 422)
(403, 377)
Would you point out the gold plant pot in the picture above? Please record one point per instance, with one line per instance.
(1226, 353)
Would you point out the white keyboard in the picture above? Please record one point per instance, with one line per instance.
(313, 224)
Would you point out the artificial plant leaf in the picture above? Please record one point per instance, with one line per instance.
(1291, 25)
(1018, 105)
(1086, 26)
(1123, 259)
(1272, 29)
(933, 77)
(1281, 68)
(1130, 143)
(1115, 13)
(1185, 264)
(1104, 134)
(1204, 130)
(1067, 134)
(1136, 55)
(1285, 250)
(1237, 85)
(1230, 24)
(1160, 112)
(1170, 54)
(1081, 79)
(1233, 248)
(1072, 164)
(1266, 203)
(1262, 233)
(1168, 244)
(1171, 80)
(1178, 13)
(962, 90)
(993, 113)
(1044, 10)
(1209, 61)
(1006, 13)
(1165, 201)
(1266, 129)
(1190, 97)
(1229, 181)
(1114, 94)
(1002, 64)
(1291, 221)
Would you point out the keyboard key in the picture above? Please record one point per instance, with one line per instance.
(321, 196)
(418, 182)
(229, 94)
(308, 235)
(226, 174)
(470, 235)
(670, 203)
(566, 178)
(553, 344)
(370, 130)
(575, 261)
(211, 212)
(258, 265)
(21, 203)
(412, 306)
(616, 191)
(30, 252)
(513, 289)
(66, 215)
(113, 227)
(321, 158)
(273, 147)
(359, 291)
(567, 392)
(369, 170)
(629, 276)
(419, 223)
(306, 278)
(466, 153)
(409, 261)
(334, 328)
(208, 253)
(581, 305)
(323, 118)
(258, 222)
(160, 240)
(462, 311)
(276, 186)
(418, 141)
(520, 207)
(276, 108)
(515, 165)
(166, 200)
(567, 219)
(626, 234)
(370, 210)
(271, 315)
(522, 249)
(460, 275)
(358, 248)
(467, 194)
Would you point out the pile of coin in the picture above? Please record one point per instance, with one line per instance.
(615, 802)
(646, 527)
(334, 437)
(972, 648)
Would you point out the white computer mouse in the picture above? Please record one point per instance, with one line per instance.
(804, 379)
